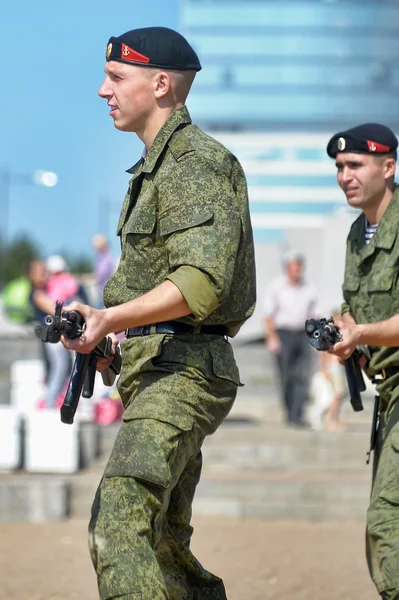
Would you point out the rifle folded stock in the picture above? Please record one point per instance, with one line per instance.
(75, 386)
(355, 381)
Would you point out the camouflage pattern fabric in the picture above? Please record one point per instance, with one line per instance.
(185, 218)
(186, 210)
(371, 282)
(175, 390)
(371, 293)
(382, 538)
(390, 595)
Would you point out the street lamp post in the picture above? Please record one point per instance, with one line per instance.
(7, 179)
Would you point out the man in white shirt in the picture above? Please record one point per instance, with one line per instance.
(289, 302)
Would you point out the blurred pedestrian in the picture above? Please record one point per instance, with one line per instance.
(289, 301)
(15, 300)
(58, 359)
(41, 303)
(104, 266)
(37, 277)
(62, 286)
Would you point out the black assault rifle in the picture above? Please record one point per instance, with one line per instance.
(71, 325)
(323, 335)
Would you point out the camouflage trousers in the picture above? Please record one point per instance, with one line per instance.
(139, 533)
(382, 534)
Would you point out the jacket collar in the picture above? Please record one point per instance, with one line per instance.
(386, 232)
(178, 118)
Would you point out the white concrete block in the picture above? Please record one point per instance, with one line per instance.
(27, 371)
(51, 446)
(25, 397)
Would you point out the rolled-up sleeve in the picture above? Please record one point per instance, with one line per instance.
(201, 228)
(345, 308)
(196, 289)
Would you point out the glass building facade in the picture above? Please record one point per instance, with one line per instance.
(279, 78)
(294, 64)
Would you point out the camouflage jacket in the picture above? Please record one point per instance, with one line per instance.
(185, 218)
(371, 283)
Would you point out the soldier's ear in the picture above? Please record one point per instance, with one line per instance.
(389, 167)
(162, 84)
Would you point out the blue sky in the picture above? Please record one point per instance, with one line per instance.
(51, 117)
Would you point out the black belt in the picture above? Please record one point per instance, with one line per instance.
(175, 328)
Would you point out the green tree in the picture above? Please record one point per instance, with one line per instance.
(16, 256)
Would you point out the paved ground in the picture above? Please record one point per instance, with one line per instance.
(257, 560)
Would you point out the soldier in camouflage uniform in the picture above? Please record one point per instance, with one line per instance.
(185, 282)
(366, 160)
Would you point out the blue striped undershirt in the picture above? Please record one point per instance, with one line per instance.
(369, 232)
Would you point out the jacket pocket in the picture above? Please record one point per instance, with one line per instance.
(383, 280)
(388, 470)
(153, 450)
(183, 219)
(351, 284)
(146, 263)
(380, 287)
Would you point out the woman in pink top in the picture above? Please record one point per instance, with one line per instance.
(61, 285)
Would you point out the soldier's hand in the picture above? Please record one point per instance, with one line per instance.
(103, 363)
(350, 339)
(96, 328)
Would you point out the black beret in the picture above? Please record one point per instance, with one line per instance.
(370, 138)
(153, 47)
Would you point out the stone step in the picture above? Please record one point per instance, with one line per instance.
(267, 495)
(33, 498)
(281, 463)
(232, 507)
(284, 496)
(241, 433)
(301, 486)
(273, 448)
